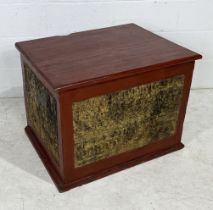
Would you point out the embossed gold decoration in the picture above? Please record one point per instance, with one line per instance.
(42, 112)
(121, 121)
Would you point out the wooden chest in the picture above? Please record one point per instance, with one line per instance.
(103, 100)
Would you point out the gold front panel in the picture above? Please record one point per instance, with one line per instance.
(121, 121)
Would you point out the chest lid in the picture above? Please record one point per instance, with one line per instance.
(82, 58)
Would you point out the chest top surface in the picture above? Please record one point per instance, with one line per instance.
(83, 58)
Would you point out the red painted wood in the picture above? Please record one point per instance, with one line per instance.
(86, 57)
(92, 63)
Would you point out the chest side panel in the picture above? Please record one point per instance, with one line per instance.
(42, 112)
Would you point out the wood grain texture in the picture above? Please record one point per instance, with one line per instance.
(89, 57)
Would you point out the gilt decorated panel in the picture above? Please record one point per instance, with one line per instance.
(121, 121)
(41, 112)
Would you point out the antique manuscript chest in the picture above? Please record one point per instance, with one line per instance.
(103, 100)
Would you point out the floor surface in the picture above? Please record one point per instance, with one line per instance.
(180, 180)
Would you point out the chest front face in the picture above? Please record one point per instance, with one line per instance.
(110, 124)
